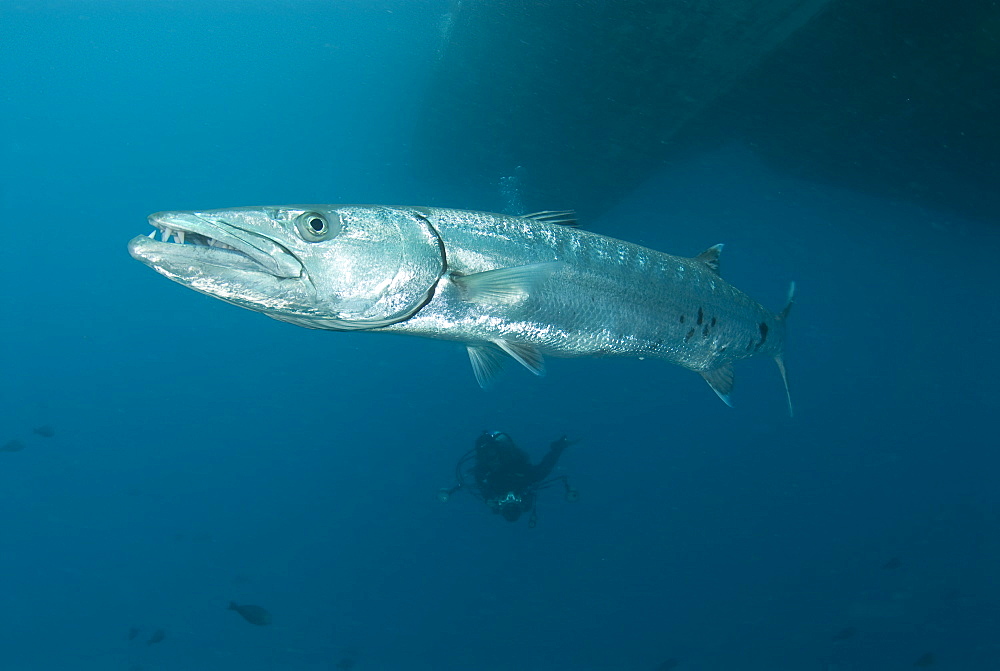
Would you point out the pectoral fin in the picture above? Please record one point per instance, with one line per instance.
(721, 381)
(505, 285)
(562, 217)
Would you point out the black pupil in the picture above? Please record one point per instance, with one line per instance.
(316, 224)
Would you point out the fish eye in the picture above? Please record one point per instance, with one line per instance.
(315, 227)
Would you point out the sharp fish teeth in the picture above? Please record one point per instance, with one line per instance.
(180, 236)
(152, 234)
(212, 242)
(165, 236)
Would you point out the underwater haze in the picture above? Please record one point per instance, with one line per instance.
(187, 485)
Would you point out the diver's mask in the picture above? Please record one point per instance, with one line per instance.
(511, 498)
(510, 506)
(492, 437)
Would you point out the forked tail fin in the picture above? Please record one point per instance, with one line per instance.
(791, 299)
(777, 359)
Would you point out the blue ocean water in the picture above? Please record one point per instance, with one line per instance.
(202, 454)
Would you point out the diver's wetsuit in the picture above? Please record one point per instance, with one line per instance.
(504, 474)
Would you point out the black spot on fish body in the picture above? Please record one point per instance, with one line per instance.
(763, 335)
(690, 333)
(682, 319)
(132, 633)
(701, 316)
(704, 331)
(893, 563)
(926, 659)
(713, 322)
(157, 636)
(44, 431)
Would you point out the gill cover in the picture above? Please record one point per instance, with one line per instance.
(377, 266)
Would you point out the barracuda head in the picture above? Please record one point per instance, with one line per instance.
(322, 266)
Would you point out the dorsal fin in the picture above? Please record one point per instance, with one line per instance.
(562, 217)
(710, 257)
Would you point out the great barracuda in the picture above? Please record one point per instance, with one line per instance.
(518, 286)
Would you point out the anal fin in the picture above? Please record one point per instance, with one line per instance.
(721, 381)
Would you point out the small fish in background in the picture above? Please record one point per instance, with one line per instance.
(132, 633)
(668, 664)
(45, 431)
(926, 659)
(892, 564)
(845, 633)
(252, 614)
(13, 445)
(157, 636)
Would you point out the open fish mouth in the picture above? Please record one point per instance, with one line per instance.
(180, 236)
(187, 239)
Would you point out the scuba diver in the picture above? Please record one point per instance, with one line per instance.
(500, 474)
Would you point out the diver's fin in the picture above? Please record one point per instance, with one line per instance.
(505, 285)
(487, 361)
(721, 381)
(710, 257)
(784, 378)
(563, 217)
(526, 355)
